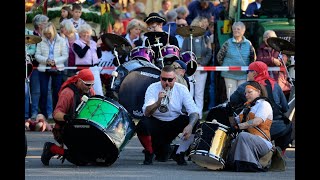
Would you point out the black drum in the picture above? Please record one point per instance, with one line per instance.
(100, 131)
(134, 85)
(133, 65)
(220, 113)
(211, 145)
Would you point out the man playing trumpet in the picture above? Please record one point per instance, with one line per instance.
(164, 120)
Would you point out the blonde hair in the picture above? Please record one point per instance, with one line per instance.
(50, 28)
(135, 23)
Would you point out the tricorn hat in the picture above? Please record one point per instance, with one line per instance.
(154, 17)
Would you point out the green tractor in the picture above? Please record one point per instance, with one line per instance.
(277, 15)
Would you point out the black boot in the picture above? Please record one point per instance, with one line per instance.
(179, 158)
(148, 157)
(46, 153)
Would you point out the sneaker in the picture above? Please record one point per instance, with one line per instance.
(179, 158)
(148, 158)
(46, 153)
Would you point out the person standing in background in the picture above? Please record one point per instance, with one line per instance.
(66, 13)
(51, 52)
(204, 8)
(201, 47)
(270, 56)
(236, 51)
(39, 22)
(165, 7)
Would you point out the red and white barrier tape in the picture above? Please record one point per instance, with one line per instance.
(202, 68)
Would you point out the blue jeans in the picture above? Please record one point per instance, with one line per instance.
(211, 91)
(56, 82)
(35, 94)
(26, 101)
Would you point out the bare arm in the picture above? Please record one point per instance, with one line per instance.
(153, 107)
(251, 123)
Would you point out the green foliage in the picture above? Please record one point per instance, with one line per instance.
(32, 14)
(53, 14)
(89, 16)
(94, 17)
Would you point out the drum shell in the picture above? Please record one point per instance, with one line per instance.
(100, 131)
(190, 59)
(170, 51)
(132, 65)
(134, 86)
(211, 146)
(143, 53)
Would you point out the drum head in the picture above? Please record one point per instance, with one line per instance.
(133, 88)
(219, 113)
(206, 161)
(90, 142)
(100, 131)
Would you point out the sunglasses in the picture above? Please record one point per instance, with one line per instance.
(249, 71)
(167, 79)
(87, 84)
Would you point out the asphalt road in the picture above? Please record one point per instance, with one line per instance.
(129, 166)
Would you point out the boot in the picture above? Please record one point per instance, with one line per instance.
(179, 158)
(148, 158)
(46, 153)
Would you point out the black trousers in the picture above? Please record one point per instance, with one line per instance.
(162, 132)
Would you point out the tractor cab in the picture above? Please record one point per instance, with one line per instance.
(277, 15)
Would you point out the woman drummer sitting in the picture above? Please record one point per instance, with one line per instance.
(254, 141)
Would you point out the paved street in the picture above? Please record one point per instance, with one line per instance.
(128, 166)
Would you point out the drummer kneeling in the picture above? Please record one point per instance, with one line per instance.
(164, 119)
(69, 98)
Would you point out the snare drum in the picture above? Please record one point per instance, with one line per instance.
(190, 59)
(143, 53)
(170, 51)
(100, 131)
(210, 146)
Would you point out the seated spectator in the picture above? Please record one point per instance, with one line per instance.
(252, 8)
(39, 124)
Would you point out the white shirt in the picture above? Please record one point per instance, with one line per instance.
(263, 110)
(180, 96)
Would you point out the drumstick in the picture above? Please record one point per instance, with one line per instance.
(84, 99)
(114, 75)
(214, 121)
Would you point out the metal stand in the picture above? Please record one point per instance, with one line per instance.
(159, 44)
(290, 78)
(191, 37)
(115, 52)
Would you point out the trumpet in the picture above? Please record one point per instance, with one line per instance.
(165, 101)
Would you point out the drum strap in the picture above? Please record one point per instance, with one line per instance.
(76, 99)
(264, 134)
(275, 107)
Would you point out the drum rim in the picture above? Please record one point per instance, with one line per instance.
(142, 47)
(114, 102)
(200, 152)
(170, 45)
